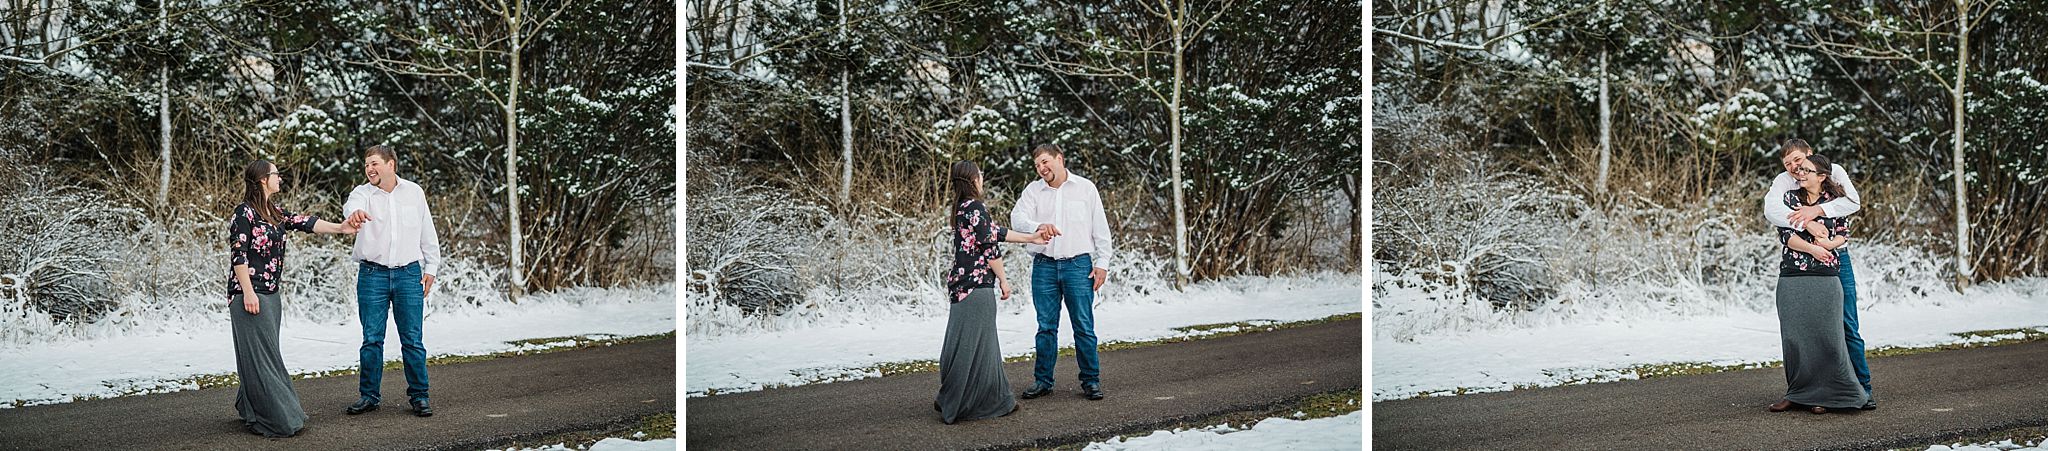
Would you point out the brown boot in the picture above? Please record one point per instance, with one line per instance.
(1782, 405)
(1817, 410)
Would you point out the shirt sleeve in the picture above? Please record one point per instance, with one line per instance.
(985, 228)
(430, 240)
(1099, 229)
(238, 238)
(1020, 214)
(1848, 204)
(302, 223)
(1775, 209)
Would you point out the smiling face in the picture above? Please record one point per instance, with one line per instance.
(1050, 166)
(376, 168)
(1809, 176)
(1792, 159)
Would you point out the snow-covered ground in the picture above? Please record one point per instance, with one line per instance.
(1338, 432)
(154, 362)
(1487, 358)
(840, 351)
(614, 444)
(2001, 445)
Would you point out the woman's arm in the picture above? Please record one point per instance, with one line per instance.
(1021, 237)
(249, 302)
(1801, 245)
(1824, 237)
(322, 226)
(1002, 282)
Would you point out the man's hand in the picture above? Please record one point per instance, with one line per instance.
(1047, 231)
(1099, 275)
(356, 220)
(426, 284)
(1806, 213)
(249, 303)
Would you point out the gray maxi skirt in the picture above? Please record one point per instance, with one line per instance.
(1817, 371)
(972, 385)
(265, 399)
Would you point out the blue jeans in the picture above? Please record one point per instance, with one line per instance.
(1849, 325)
(396, 294)
(1064, 282)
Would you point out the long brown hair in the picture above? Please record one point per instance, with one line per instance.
(252, 191)
(964, 173)
(1827, 179)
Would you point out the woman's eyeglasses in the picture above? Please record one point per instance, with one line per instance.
(1806, 171)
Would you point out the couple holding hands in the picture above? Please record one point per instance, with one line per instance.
(397, 253)
(1070, 250)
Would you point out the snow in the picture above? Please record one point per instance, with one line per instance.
(615, 444)
(1339, 432)
(115, 365)
(2002, 445)
(1556, 353)
(840, 351)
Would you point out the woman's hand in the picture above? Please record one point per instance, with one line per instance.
(250, 304)
(1822, 254)
(1003, 289)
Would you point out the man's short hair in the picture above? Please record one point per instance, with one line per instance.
(1046, 149)
(381, 151)
(1795, 144)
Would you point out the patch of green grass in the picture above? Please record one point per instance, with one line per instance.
(1316, 406)
(652, 427)
(522, 348)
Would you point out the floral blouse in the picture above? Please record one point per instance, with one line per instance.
(259, 244)
(1796, 263)
(975, 236)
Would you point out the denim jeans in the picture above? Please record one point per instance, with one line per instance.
(1055, 283)
(1849, 325)
(396, 294)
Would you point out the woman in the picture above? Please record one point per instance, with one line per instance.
(256, 245)
(971, 381)
(1817, 372)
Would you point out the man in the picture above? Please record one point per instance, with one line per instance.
(397, 254)
(1790, 154)
(1066, 208)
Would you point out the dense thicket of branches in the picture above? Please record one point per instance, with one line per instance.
(1703, 92)
(310, 83)
(1270, 111)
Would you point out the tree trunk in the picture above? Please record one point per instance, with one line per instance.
(1963, 273)
(163, 116)
(845, 124)
(1606, 129)
(518, 273)
(1180, 222)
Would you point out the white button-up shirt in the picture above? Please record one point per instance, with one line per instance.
(401, 229)
(1076, 209)
(1776, 212)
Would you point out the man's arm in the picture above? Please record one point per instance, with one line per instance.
(1020, 216)
(355, 209)
(1099, 229)
(1775, 209)
(430, 240)
(1848, 204)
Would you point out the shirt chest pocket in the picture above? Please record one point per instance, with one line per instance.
(1074, 212)
(405, 217)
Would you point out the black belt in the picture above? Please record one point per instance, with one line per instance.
(390, 268)
(1046, 257)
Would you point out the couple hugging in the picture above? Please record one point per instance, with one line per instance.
(1810, 203)
(397, 252)
(1070, 250)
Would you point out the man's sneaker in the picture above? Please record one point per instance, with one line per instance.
(420, 408)
(1036, 391)
(362, 405)
(1093, 392)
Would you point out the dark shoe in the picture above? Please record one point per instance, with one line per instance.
(420, 408)
(1872, 405)
(1036, 391)
(1013, 409)
(1817, 410)
(361, 406)
(935, 407)
(1093, 392)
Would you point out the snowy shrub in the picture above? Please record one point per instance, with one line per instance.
(55, 253)
(1746, 120)
(1483, 234)
(757, 239)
